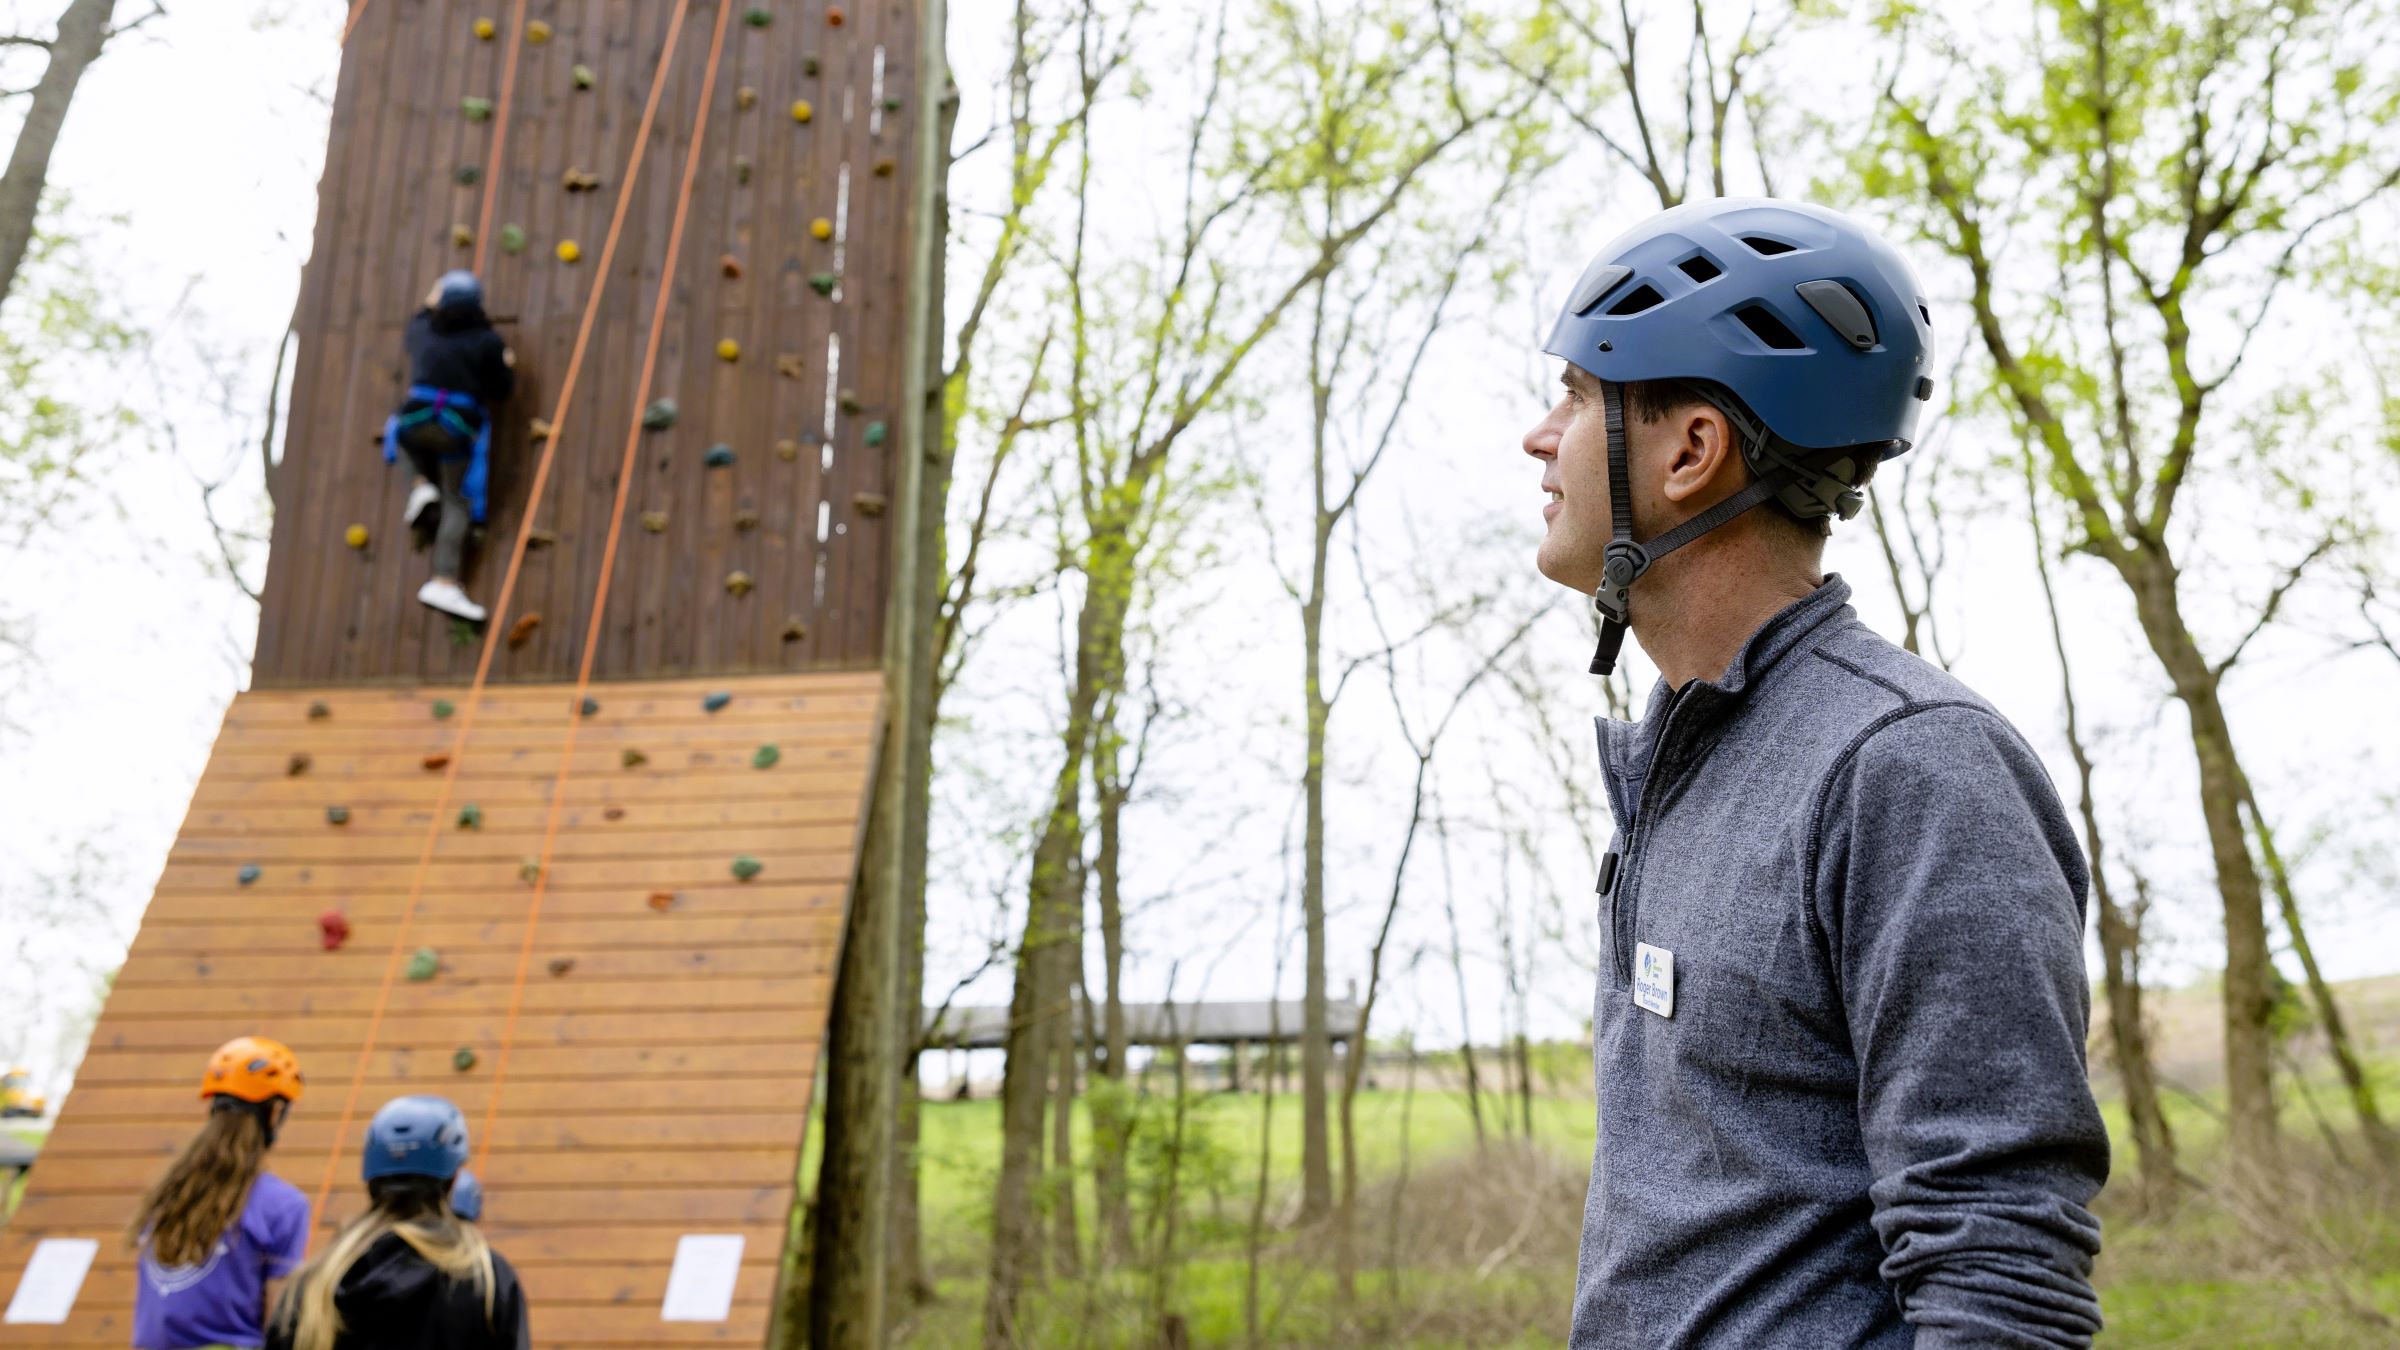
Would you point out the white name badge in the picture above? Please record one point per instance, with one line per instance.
(1654, 979)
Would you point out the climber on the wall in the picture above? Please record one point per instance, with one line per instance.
(459, 372)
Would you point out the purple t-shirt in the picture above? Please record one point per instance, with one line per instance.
(222, 1300)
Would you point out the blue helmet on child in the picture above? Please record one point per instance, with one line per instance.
(1804, 327)
(459, 287)
(416, 1137)
(466, 1196)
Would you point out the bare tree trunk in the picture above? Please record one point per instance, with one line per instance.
(1066, 1237)
(82, 31)
(1458, 972)
(2119, 931)
(1316, 1174)
(2381, 1143)
(846, 1291)
(1112, 1107)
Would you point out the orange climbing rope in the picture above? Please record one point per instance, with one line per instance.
(491, 172)
(508, 586)
(350, 24)
(608, 563)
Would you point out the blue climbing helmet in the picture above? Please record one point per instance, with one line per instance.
(416, 1137)
(1803, 326)
(457, 288)
(466, 1196)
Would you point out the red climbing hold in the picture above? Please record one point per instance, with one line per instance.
(523, 629)
(333, 929)
(833, 16)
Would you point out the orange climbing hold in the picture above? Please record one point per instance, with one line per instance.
(436, 762)
(523, 629)
(731, 266)
(833, 16)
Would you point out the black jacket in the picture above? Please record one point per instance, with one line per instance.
(457, 348)
(392, 1299)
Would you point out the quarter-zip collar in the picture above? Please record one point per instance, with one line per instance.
(1627, 749)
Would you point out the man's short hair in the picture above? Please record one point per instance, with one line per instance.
(1650, 401)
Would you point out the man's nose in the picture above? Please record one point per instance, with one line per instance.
(1542, 441)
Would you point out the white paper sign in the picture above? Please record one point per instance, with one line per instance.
(53, 1277)
(700, 1287)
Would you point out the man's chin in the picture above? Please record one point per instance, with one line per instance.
(1556, 560)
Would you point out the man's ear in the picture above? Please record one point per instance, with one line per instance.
(1703, 460)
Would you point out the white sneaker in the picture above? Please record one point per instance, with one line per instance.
(449, 599)
(421, 498)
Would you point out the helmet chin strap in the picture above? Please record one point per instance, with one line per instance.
(1625, 561)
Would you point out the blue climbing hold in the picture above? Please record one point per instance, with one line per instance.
(716, 700)
(248, 874)
(720, 456)
(590, 706)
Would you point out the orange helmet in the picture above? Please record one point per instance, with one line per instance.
(254, 1069)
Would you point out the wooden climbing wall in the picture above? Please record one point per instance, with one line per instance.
(810, 409)
(658, 1075)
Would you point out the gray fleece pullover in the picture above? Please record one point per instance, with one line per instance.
(1850, 1106)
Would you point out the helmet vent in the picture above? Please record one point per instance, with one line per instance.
(1765, 247)
(1925, 314)
(1699, 268)
(1638, 299)
(1768, 329)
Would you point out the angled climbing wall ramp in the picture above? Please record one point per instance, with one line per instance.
(629, 941)
(659, 1077)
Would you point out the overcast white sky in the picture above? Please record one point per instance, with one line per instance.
(190, 164)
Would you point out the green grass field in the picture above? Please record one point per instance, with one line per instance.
(2202, 1279)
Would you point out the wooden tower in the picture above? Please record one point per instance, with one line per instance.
(617, 831)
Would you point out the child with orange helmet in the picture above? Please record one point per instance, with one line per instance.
(217, 1233)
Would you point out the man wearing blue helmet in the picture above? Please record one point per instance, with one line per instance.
(412, 1272)
(460, 370)
(1839, 1030)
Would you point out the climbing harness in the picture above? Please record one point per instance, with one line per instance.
(468, 424)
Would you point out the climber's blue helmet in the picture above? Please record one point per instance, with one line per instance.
(1808, 330)
(459, 287)
(416, 1137)
(466, 1196)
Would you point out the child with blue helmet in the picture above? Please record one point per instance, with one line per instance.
(411, 1273)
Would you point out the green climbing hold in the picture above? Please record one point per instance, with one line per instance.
(512, 239)
(470, 817)
(758, 16)
(824, 282)
(660, 415)
(741, 169)
(633, 759)
(476, 109)
(584, 77)
(720, 456)
(765, 757)
(746, 867)
(248, 874)
(469, 175)
(808, 65)
(529, 871)
(891, 105)
(462, 633)
(424, 964)
(442, 708)
(318, 712)
(590, 705)
(876, 433)
(716, 700)
(462, 1059)
(337, 815)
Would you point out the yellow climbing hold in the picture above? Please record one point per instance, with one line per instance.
(356, 536)
(485, 28)
(821, 228)
(569, 250)
(537, 32)
(803, 110)
(728, 350)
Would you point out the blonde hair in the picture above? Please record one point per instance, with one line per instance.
(204, 1189)
(417, 1211)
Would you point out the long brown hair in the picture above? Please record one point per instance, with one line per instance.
(417, 1211)
(203, 1192)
